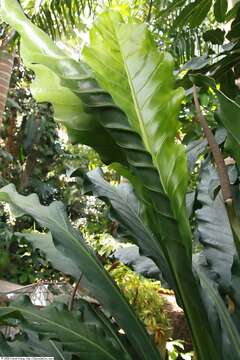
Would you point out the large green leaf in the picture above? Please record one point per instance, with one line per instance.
(135, 67)
(29, 344)
(230, 333)
(217, 261)
(70, 242)
(174, 238)
(85, 335)
(228, 111)
(214, 230)
(229, 114)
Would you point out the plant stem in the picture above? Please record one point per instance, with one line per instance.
(222, 173)
(149, 11)
(216, 152)
(70, 306)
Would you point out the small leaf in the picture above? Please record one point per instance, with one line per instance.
(194, 150)
(196, 63)
(232, 147)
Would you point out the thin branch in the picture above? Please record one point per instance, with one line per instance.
(70, 306)
(216, 152)
(149, 11)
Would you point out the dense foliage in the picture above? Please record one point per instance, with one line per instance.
(154, 91)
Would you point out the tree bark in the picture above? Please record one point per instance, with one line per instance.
(6, 66)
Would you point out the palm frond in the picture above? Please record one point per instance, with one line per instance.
(60, 18)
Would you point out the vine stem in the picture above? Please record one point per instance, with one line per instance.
(149, 11)
(70, 306)
(216, 152)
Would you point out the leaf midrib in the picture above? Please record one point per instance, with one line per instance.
(137, 107)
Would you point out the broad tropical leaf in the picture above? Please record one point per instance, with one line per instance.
(29, 344)
(214, 229)
(70, 242)
(229, 110)
(134, 66)
(80, 334)
(230, 334)
(229, 114)
(217, 263)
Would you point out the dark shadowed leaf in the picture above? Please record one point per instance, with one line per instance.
(193, 13)
(29, 344)
(214, 36)
(214, 229)
(129, 255)
(194, 150)
(89, 338)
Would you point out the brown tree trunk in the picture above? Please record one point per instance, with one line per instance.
(6, 66)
